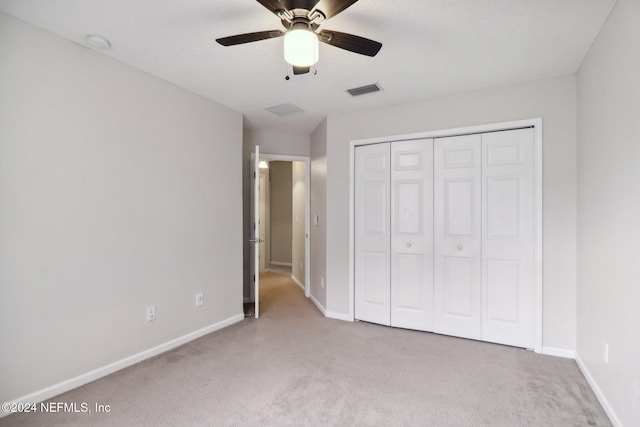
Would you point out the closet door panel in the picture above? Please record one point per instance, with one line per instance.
(372, 233)
(408, 290)
(457, 236)
(412, 234)
(458, 292)
(508, 237)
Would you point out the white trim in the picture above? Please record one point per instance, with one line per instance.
(284, 264)
(468, 130)
(538, 182)
(536, 123)
(352, 250)
(282, 157)
(297, 282)
(613, 417)
(254, 249)
(80, 380)
(318, 305)
(559, 352)
(338, 316)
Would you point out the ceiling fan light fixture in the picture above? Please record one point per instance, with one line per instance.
(301, 47)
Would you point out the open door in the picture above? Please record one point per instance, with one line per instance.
(255, 232)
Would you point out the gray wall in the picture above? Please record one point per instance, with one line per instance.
(280, 174)
(298, 205)
(113, 197)
(609, 213)
(291, 144)
(554, 100)
(318, 190)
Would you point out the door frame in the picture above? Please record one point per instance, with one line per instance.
(536, 124)
(307, 206)
(254, 225)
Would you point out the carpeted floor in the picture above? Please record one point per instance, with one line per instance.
(294, 367)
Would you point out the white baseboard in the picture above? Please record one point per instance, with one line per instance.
(284, 264)
(318, 305)
(80, 380)
(297, 282)
(613, 417)
(559, 352)
(337, 316)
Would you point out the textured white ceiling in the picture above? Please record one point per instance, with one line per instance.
(430, 47)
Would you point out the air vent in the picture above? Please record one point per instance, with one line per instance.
(363, 90)
(284, 110)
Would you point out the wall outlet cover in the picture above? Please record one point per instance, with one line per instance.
(151, 313)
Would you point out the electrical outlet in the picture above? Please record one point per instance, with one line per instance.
(199, 299)
(605, 353)
(322, 282)
(151, 313)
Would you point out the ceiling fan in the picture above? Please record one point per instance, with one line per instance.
(301, 20)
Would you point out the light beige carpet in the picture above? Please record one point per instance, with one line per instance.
(294, 367)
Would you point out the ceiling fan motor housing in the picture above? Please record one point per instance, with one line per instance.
(301, 21)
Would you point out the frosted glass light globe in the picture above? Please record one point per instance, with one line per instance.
(301, 47)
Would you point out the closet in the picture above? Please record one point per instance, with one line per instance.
(444, 235)
(394, 234)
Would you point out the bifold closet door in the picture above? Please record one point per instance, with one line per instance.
(457, 236)
(508, 237)
(412, 234)
(372, 233)
(484, 237)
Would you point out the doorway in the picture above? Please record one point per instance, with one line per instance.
(283, 216)
(282, 211)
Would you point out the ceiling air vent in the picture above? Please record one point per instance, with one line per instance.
(363, 90)
(284, 110)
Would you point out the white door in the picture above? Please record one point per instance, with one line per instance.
(254, 269)
(508, 237)
(372, 233)
(457, 236)
(412, 234)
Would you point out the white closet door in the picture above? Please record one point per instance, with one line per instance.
(412, 234)
(508, 237)
(457, 236)
(372, 233)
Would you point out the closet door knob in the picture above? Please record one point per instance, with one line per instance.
(460, 247)
(408, 244)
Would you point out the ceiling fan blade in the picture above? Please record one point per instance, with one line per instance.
(249, 37)
(300, 70)
(273, 5)
(350, 42)
(333, 7)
